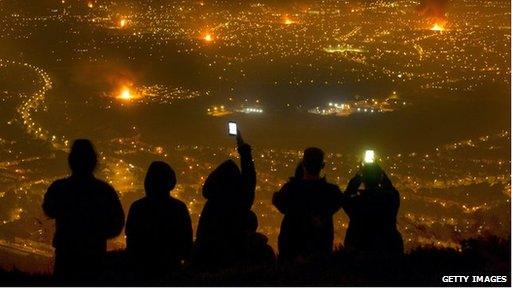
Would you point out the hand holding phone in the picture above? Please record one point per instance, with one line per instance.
(233, 131)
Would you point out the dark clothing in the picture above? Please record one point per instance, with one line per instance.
(308, 207)
(87, 212)
(372, 212)
(158, 235)
(222, 225)
(256, 250)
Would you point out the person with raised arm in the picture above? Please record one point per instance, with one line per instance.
(229, 192)
(372, 212)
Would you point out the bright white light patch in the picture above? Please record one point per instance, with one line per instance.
(369, 156)
(232, 128)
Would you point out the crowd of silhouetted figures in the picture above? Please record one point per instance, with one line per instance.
(159, 233)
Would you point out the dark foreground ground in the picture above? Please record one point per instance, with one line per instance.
(423, 266)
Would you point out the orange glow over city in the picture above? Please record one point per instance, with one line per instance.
(126, 93)
(288, 21)
(437, 27)
(122, 23)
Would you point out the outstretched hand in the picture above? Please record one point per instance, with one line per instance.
(239, 140)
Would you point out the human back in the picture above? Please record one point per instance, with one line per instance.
(158, 229)
(87, 212)
(308, 203)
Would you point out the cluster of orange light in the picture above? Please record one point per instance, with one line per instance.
(208, 37)
(127, 93)
(288, 21)
(437, 27)
(122, 23)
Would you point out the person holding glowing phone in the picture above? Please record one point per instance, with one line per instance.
(229, 191)
(372, 211)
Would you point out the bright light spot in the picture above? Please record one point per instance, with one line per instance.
(369, 156)
(288, 21)
(126, 94)
(90, 4)
(122, 23)
(208, 37)
(437, 27)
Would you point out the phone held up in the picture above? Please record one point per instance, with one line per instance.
(232, 128)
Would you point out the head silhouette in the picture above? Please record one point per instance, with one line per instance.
(223, 181)
(371, 175)
(82, 159)
(313, 161)
(160, 179)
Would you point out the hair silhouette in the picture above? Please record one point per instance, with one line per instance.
(82, 159)
(160, 179)
(313, 160)
(158, 228)
(87, 212)
(223, 183)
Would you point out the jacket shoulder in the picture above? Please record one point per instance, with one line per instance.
(178, 204)
(58, 185)
(104, 186)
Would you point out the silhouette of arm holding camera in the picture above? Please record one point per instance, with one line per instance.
(248, 171)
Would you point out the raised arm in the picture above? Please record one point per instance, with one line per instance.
(248, 171)
(353, 186)
(281, 199)
(350, 198)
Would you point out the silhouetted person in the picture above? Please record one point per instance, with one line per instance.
(87, 212)
(372, 212)
(222, 226)
(308, 203)
(158, 229)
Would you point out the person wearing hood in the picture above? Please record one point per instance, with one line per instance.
(158, 228)
(308, 203)
(222, 228)
(372, 212)
(87, 212)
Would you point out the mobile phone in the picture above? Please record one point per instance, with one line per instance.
(369, 157)
(232, 128)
